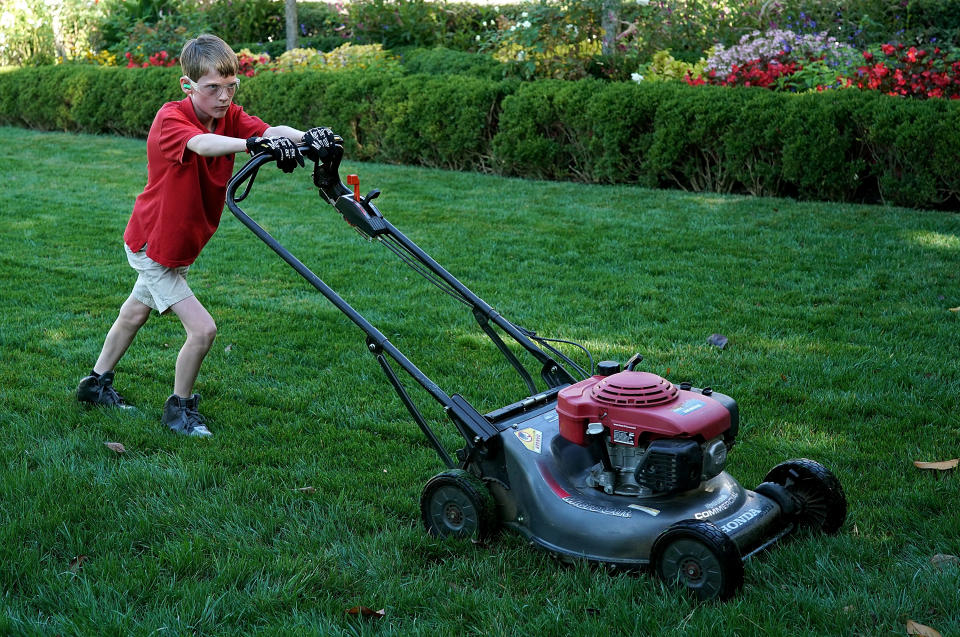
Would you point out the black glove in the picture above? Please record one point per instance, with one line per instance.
(321, 141)
(280, 148)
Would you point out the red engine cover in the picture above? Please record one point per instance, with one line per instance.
(636, 406)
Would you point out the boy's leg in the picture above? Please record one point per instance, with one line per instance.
(180, 412)
(133, 314)
(97, 388)
(201, 330)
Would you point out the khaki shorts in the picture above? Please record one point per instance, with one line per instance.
(158, 286)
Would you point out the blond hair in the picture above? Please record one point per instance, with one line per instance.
(206, 53)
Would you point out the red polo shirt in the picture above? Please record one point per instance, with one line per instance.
(180, 207)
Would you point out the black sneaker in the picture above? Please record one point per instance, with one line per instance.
(181, 415)
(98, 390)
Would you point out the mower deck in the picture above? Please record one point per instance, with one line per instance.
(548, 501)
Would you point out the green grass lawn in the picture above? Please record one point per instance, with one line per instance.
(842, 348)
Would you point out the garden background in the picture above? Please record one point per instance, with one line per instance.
(833, 278)
(598, 91)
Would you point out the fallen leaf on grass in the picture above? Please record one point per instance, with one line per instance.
(942, 561)
(955, 309)
(944, 465)
(76, 564)
(228, 347)
(115, 446)
(306, 489)
(913, 628)
(363, 611)
(717, 340)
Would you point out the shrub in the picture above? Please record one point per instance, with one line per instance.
(844, 146)
(444, 61)
(823, 151)
(545, 130)
(419, 23)
(86, 98)
(934, 20)
(445, 122)
(168, 34)
(548, 40)
(364, 56)
(27, 34)
(663, 66)
(239, 20)
(688, 145)
(320, 19)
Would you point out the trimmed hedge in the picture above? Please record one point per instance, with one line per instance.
(841, 145)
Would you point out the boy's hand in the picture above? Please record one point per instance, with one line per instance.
(320, 140)
(280, 148)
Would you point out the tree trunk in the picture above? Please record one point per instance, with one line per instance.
(610, 22)
(290, 12)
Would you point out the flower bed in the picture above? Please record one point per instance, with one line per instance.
(910, 72)
(782, 60)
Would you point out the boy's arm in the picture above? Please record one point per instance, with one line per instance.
(290, 133)
(212, 145)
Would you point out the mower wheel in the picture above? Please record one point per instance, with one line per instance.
(822, 504)
(699, 556)
(456, 503)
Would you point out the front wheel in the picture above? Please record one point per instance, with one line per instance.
(821, 502)
(700, 557)
(456, 503)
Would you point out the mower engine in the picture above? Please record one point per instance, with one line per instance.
(653, 438)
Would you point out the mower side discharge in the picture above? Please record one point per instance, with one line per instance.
(621, 468)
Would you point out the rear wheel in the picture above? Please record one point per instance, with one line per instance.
(456, 503)
(700, 557)
(822, 505)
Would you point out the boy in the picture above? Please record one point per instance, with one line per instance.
(190, 152)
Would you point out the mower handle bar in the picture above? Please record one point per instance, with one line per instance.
(329, 170)
(365, 217)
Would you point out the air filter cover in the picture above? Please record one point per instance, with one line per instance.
(636, 407)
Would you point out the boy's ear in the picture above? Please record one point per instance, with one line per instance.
(185, 84)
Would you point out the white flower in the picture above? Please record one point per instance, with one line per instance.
(477, 38)
(525, 24)
(636, 77)
(521, 56)
(524, 14)
(643, 3)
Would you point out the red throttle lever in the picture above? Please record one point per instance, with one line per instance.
(354, 180)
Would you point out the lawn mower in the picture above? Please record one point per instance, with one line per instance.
(612, 464)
